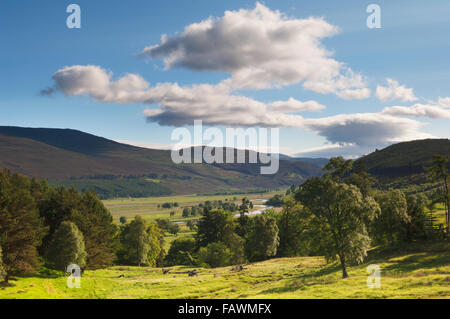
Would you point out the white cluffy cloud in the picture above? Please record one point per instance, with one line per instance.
(395, 91)
(261, 48)
(436, 110)
(419, 110)
(369, 129)
(180, 105)
(216, 105)
(292, 105)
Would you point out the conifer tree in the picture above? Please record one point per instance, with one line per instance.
(21, 228)
(100, 233)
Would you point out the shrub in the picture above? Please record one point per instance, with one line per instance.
(181, 252)
(215, 255)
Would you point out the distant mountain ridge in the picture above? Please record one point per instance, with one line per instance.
(66, 154)
(67, 139)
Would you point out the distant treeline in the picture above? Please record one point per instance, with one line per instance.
(237, 192)
(114, 187)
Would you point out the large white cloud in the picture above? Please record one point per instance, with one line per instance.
(262, 48)
(180, 105)
(394, 91)
(96, 82)
(217, 105)
(370, 129)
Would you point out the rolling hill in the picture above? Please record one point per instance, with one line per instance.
(406, 159)
(65, 156)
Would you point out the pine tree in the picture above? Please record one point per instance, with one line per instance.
(212, 226)
(21, 229)
(96, 224)
(56, 205)
(67, 247)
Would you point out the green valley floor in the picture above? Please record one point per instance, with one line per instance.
(412, 271)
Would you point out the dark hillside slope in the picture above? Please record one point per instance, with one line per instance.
(405, 159)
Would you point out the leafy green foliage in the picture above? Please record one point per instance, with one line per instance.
(391, 224)
(215, 254)
(140, 243)
(339, 217)
(294, 233)
(275, 201)
(418, 227)
(263, 239)
(67, 247)
(338, 167)
(168, 226)
(181, 252)
(361, 179)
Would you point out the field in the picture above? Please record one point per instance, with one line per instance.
(414, 271)
(148, 208)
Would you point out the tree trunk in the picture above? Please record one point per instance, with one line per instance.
(447, 212)
(344, 267)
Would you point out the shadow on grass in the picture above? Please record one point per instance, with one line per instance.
(422, 255)
(46, 273)
(308, 279)
(419, 261)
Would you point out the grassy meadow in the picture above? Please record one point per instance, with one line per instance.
(148, 209)
(413, 271)
(420, 270)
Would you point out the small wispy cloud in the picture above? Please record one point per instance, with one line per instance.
(47, 91)
(395, 91)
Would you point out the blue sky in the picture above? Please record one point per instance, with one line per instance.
(412, 47)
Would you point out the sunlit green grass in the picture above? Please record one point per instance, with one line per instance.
(411, 271)
(148, 207)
